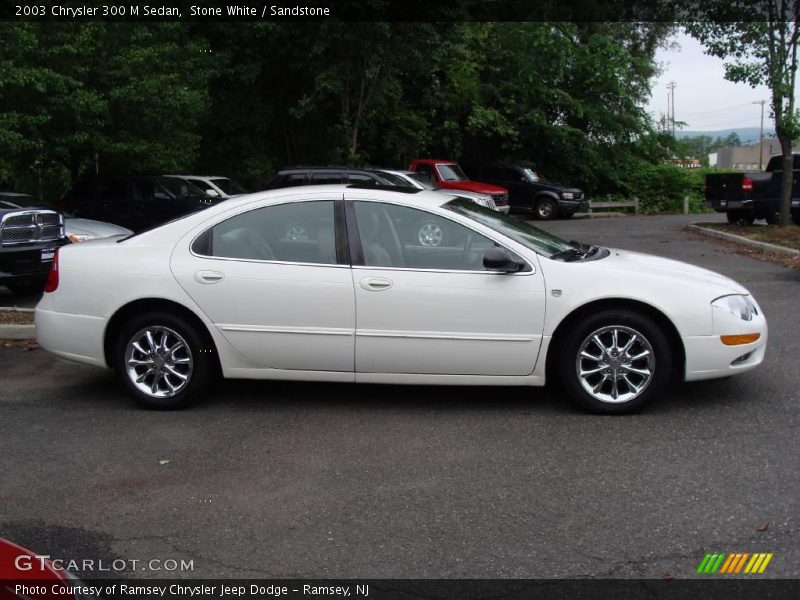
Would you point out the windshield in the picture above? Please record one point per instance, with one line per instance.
(529, 236)
(395, 179)
(451, 173)
(424, 180)
(531, 174)
(228, 186)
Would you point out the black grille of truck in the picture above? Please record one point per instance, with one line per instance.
(29, 226)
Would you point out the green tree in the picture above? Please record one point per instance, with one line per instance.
(760, 52)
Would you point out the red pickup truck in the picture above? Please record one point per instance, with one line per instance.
(449, 176)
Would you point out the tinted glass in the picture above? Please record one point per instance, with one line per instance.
(296, 232)
(324, 178)
(451, 173)
(402, 237)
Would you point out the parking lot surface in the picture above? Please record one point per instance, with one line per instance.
(321, 480)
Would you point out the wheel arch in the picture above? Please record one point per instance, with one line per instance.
(142, 305)
(668, 327)
(545, 194)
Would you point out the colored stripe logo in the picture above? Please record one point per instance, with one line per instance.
(734, 563)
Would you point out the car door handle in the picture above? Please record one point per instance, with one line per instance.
(209, 276)
(375, 284)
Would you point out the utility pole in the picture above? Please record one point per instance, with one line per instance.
(671, 87)
(761, 137)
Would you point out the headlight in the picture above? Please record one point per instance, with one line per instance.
(567, 195)
(738, 305)
(81, 237)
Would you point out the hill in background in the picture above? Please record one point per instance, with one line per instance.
(748, 135)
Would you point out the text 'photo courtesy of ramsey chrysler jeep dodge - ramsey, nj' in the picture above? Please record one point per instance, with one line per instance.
(228, 292)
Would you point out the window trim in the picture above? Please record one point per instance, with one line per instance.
(357, 253)
(339, 233)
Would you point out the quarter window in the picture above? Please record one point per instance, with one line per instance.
(402, 237)
(296, 232)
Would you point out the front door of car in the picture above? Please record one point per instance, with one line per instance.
(271, 280)
(432, 308)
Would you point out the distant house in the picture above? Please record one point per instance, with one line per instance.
(686, 163)
(744, 158)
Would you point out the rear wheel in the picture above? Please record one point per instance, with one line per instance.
(546, 209)
(740, 217)
(614, 361)
(163, 361)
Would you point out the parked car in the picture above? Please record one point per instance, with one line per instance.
(137, 202)
(225, 291)
(527, 191)
(214, 185)
(76, 229)
(449, 176)
(29, 238)
(421, 182)
(745, 197)
(311, 175)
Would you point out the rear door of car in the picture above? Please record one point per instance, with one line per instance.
(275, 280)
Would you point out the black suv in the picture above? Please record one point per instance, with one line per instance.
(294, 176)
(526, 190)
(28, 241)
(137, 202)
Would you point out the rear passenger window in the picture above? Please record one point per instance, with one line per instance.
(301, 232)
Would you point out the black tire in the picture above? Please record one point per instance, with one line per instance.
(658, 362)
(26, 286)
(740, 217)
(202, 369)
(546, 209)
(773, 217)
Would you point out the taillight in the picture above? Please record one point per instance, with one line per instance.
(51, 285)
(747, 184)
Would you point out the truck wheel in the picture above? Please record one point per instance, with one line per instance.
(796, 218)
(546, 209)
(740, 217)
(773, 217)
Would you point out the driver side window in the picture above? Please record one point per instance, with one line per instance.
(302, 232)
(401, 237)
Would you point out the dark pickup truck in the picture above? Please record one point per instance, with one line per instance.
(28, 241)
(745, 197)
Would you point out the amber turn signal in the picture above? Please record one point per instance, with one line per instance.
(738, 340)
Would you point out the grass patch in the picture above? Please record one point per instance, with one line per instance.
(14, 317)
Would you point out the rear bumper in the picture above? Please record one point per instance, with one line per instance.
(77, 338)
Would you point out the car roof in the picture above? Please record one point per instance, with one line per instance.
(14, 195)
(435, 161)
(199, 176)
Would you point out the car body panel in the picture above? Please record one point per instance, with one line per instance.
(429, 327)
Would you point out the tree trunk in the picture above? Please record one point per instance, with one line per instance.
(787, 182)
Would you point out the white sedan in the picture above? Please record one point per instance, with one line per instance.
(227, 291)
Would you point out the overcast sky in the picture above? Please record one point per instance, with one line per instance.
(704, 99)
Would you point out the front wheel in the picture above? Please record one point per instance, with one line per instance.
(546, 209)
(614, 361)
(163, 361)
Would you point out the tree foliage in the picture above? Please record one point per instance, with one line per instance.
(245, 101)
(759, 52)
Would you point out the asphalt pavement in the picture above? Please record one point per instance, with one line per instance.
(322, 480)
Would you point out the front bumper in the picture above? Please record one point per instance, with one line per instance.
(503, 209)
(708, 358)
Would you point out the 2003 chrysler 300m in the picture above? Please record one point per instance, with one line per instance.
(335, 283)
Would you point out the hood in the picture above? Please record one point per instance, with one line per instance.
(644, 265)
(474, 186)
(91, 227)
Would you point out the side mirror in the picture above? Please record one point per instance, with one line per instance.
(212, 193)
(499, 259)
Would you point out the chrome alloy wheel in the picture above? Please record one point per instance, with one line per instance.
(615, 364)
(158, 361)
(430, 234)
